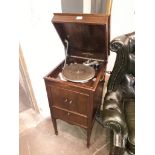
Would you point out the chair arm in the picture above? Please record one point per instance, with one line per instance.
(113, 112)
(115, 120)
(120, 41)
(117, 43)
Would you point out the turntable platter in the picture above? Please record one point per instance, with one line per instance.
(78, 73)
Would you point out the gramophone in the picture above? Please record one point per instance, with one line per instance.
(74, 87)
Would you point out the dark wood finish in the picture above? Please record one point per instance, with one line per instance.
(76, 103)
(70, 100)
(88, 37)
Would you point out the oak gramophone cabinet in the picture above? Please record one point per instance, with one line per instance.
(74, 87)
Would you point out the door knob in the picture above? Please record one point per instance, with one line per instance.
(70, 102)
(66, 100)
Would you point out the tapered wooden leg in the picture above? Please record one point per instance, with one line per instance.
(55, 125)
(88, 137)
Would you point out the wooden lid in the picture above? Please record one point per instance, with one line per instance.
(87, 34)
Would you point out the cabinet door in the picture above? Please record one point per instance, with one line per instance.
(70, 100)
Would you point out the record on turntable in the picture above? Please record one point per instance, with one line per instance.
(78, 73)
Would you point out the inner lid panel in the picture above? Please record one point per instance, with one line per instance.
(85, 40)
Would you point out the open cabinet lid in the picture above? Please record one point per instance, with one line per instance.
(88, 35)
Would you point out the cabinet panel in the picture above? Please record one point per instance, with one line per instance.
(69, 117)
(70, 100)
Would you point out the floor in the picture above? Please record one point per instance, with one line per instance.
(37, 135)
(24, 102)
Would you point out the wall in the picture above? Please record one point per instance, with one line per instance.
(41, 45)
(122, 21)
